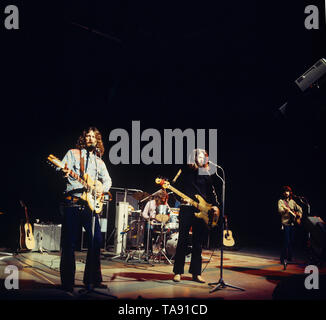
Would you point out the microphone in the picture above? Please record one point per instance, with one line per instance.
(214, 164)
(177, 176)
(295, 196)
(97, 151)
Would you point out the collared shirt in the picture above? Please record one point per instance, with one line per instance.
(286, 217)
(149, 210)
(93, 166)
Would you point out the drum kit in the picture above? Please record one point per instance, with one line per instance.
(164, 229)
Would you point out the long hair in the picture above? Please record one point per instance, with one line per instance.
(286, 188)
(192, 160)
(81, 142)
(161, 198)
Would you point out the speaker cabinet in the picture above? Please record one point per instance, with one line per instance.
(47, 237)
(317, 229)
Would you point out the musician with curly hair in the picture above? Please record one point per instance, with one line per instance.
(84, 159)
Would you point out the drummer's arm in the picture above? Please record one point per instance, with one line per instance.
(145, 211)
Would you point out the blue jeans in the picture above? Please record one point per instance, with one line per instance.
(73, 219)
(288, 240)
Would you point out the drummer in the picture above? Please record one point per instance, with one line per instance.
(157, 211)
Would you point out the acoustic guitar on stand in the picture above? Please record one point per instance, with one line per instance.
(27, 241)
(228, 240)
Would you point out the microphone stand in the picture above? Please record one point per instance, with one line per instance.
(304, 201)
(221, 284)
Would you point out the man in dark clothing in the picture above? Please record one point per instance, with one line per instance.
(194, 180)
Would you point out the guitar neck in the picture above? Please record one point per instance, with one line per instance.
(26, 215)
(78, 178)
(183, 196)
(289, 210)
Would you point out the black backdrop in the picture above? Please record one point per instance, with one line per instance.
(228, 66)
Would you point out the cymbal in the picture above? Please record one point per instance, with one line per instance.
(140, 195)
(162, 218)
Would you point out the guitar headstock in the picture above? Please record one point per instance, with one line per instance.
(52, 160)
(22, 203)
(163, 182)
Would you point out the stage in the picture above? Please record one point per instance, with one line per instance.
(257, 272)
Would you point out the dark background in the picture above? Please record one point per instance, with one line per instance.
(229, 66)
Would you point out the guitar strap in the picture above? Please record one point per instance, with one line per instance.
(82, 165)
(287, 205)
(213, 190)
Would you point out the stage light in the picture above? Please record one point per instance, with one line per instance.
(312, 76)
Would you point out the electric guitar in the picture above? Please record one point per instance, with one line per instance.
(94, 202)
(26, 240)
(205, 209)
(228, 240)
(296, 214)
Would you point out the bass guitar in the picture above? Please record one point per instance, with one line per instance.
(95, 202)
(26, 240)
(205, 209)
(228, 240)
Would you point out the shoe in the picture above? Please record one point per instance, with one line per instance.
(284, 265)
(198, 278)
(177, 278)
(69, 290)
(100, 286)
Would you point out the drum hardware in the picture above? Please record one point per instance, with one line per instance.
(161, 240)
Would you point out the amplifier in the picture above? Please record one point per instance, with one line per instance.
(317, 229)
(47, 237)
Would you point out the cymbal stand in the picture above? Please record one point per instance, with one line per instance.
(162, 238)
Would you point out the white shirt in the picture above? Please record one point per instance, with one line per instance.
(149, 210)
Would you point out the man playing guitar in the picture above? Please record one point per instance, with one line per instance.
(85, 159)
(194, 180)
(291, 214)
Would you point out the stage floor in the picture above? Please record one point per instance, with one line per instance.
(258, 273)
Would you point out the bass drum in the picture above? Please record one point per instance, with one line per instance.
(171, 244)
